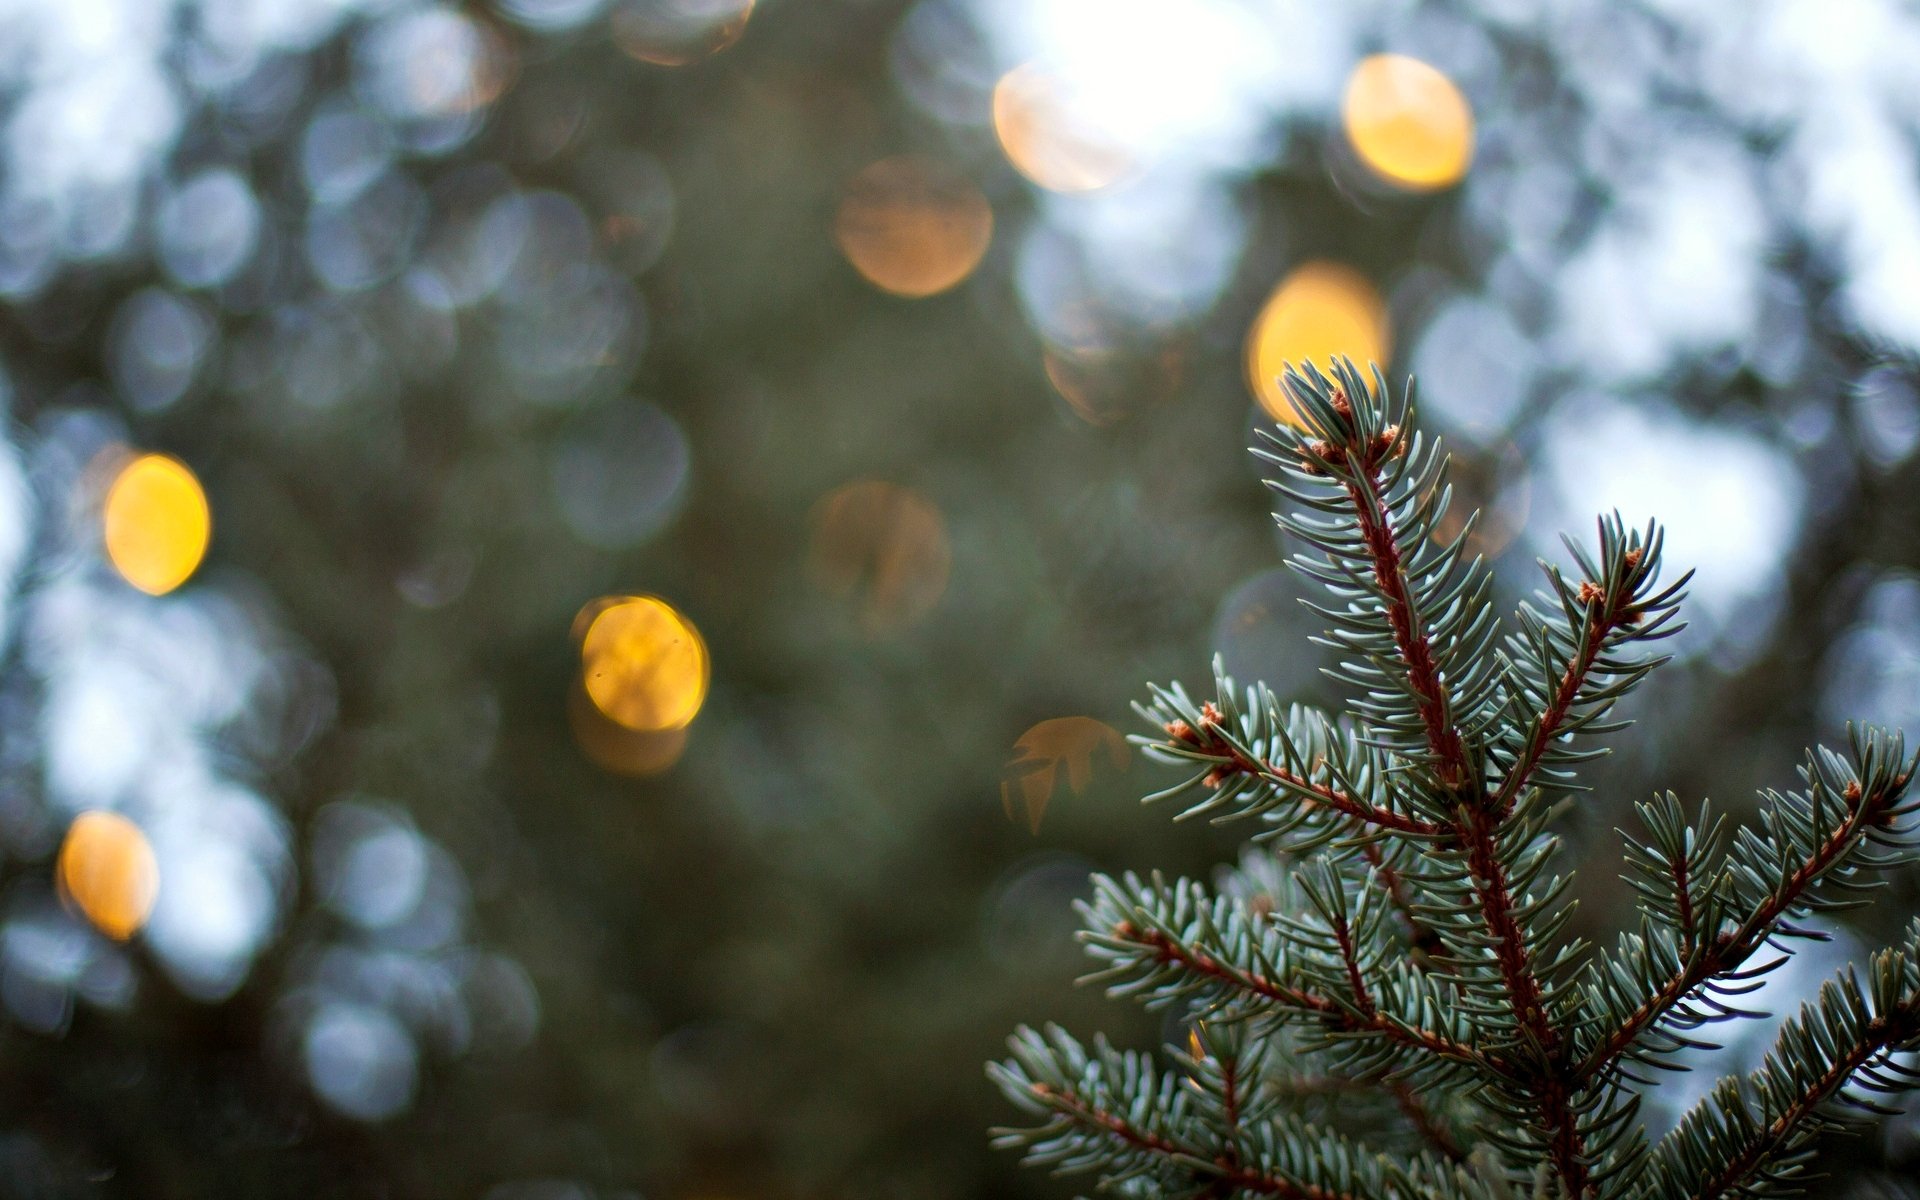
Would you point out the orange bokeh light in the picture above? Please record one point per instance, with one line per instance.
(912, 227)
(1062, 745)
(1321, 310)
(643, 664)
(108, 871)
(1408, 122)
(612, 746)
(1051, 135)
(156, 523)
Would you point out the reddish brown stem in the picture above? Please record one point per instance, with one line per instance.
(1683, 895)
(1210, 741)
(1547, 726)
(1416, 649)
(1343, 937)
(1475, 828)
(1566, 1147)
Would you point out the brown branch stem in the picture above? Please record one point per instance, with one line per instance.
(1365, 489)
(1476, 826)
(1209, 740)
(1547, 727)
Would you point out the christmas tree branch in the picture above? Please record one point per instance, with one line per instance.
(1752, 1135)
(1400, 938)
(1333, 1015)
(1613, 605)
(1551, 1093)
(1352, 449)
(1865, 813)
(1205, 735)
(1366, 488)
(1114, 1113)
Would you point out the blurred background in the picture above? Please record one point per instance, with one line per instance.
(571, 571)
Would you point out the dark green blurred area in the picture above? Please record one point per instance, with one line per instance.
(775, 969)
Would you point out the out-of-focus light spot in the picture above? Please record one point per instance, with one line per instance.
(155, 346)
(369, 239)
(1260, 632)
(643, 664)
(1475, 366)
(1103, 380)
(361, 1060)
(942, 61)
(613, 747)
(1072, 743)
(438, 579)
(109, 872)
(369, 866)
(1321, 310)
(1886, 406)
(620, 474)
(635, 195)
(207, 228)
(1872, 671)
(1023, 922)
(912, 227)
(435, 63)
(156, 523)
(551, 14)
(673, 33)
(1049, 135)
(882, 548)
(344, 149)
(1408, 122)
(1731, 503)
(1081, 375)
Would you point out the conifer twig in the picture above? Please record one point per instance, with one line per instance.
(1402, 937)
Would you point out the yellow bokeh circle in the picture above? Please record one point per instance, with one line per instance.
(108, 871)
(1408, 122)
(613, 747)
(1320, 311)
(643, 664)
(156, 523)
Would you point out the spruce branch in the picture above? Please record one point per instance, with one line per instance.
(1164, 942)
(1577, 671)
(1294, 766)
(1113, 1113)
(1753, 1137)
(1386, 995)
(1816, 850)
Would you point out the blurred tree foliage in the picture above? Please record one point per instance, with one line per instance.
(428, 413)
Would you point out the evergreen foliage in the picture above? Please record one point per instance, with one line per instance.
(1386, 1001)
